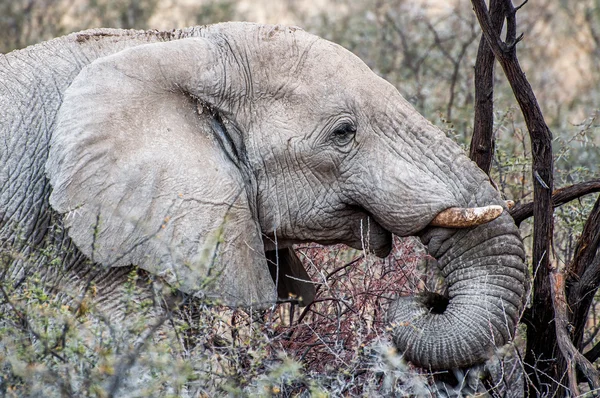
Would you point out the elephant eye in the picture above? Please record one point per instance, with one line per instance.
(344, 134)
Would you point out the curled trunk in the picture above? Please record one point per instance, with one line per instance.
(486, 277)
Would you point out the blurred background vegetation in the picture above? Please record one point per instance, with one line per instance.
(427, 49)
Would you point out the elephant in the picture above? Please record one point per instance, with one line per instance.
(202, 155)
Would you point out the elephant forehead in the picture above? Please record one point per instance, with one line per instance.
(330, 71)
(284, 62)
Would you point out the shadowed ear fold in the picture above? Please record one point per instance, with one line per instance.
(142, 176)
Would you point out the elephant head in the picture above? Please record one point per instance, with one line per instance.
(203, 159)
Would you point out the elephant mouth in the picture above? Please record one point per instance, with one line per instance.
(379, 240)
(368, 233)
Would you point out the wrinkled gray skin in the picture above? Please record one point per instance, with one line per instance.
(196, 153)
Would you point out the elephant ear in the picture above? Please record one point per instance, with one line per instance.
(145, 174)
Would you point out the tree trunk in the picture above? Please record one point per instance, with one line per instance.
(541, 359)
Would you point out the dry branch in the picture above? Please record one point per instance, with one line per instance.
(483, 143)
(584, 274)
(561, 196)
(572, 355)
(593, 354)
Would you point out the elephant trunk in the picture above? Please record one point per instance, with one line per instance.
(486, 277)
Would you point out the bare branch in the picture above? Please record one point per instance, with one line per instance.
(572, 355)
(593, 354)
(584, 274)
(483, 143)
(561, 196)
(589, 241)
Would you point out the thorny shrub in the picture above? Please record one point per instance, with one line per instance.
(339, 345)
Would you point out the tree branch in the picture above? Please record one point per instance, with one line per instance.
(561, 196)
(572, 355)
(584, 274)
(588, 243)
(540, 134)
(483, 143)
(593, 354)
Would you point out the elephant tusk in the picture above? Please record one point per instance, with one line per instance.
(459, 217)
